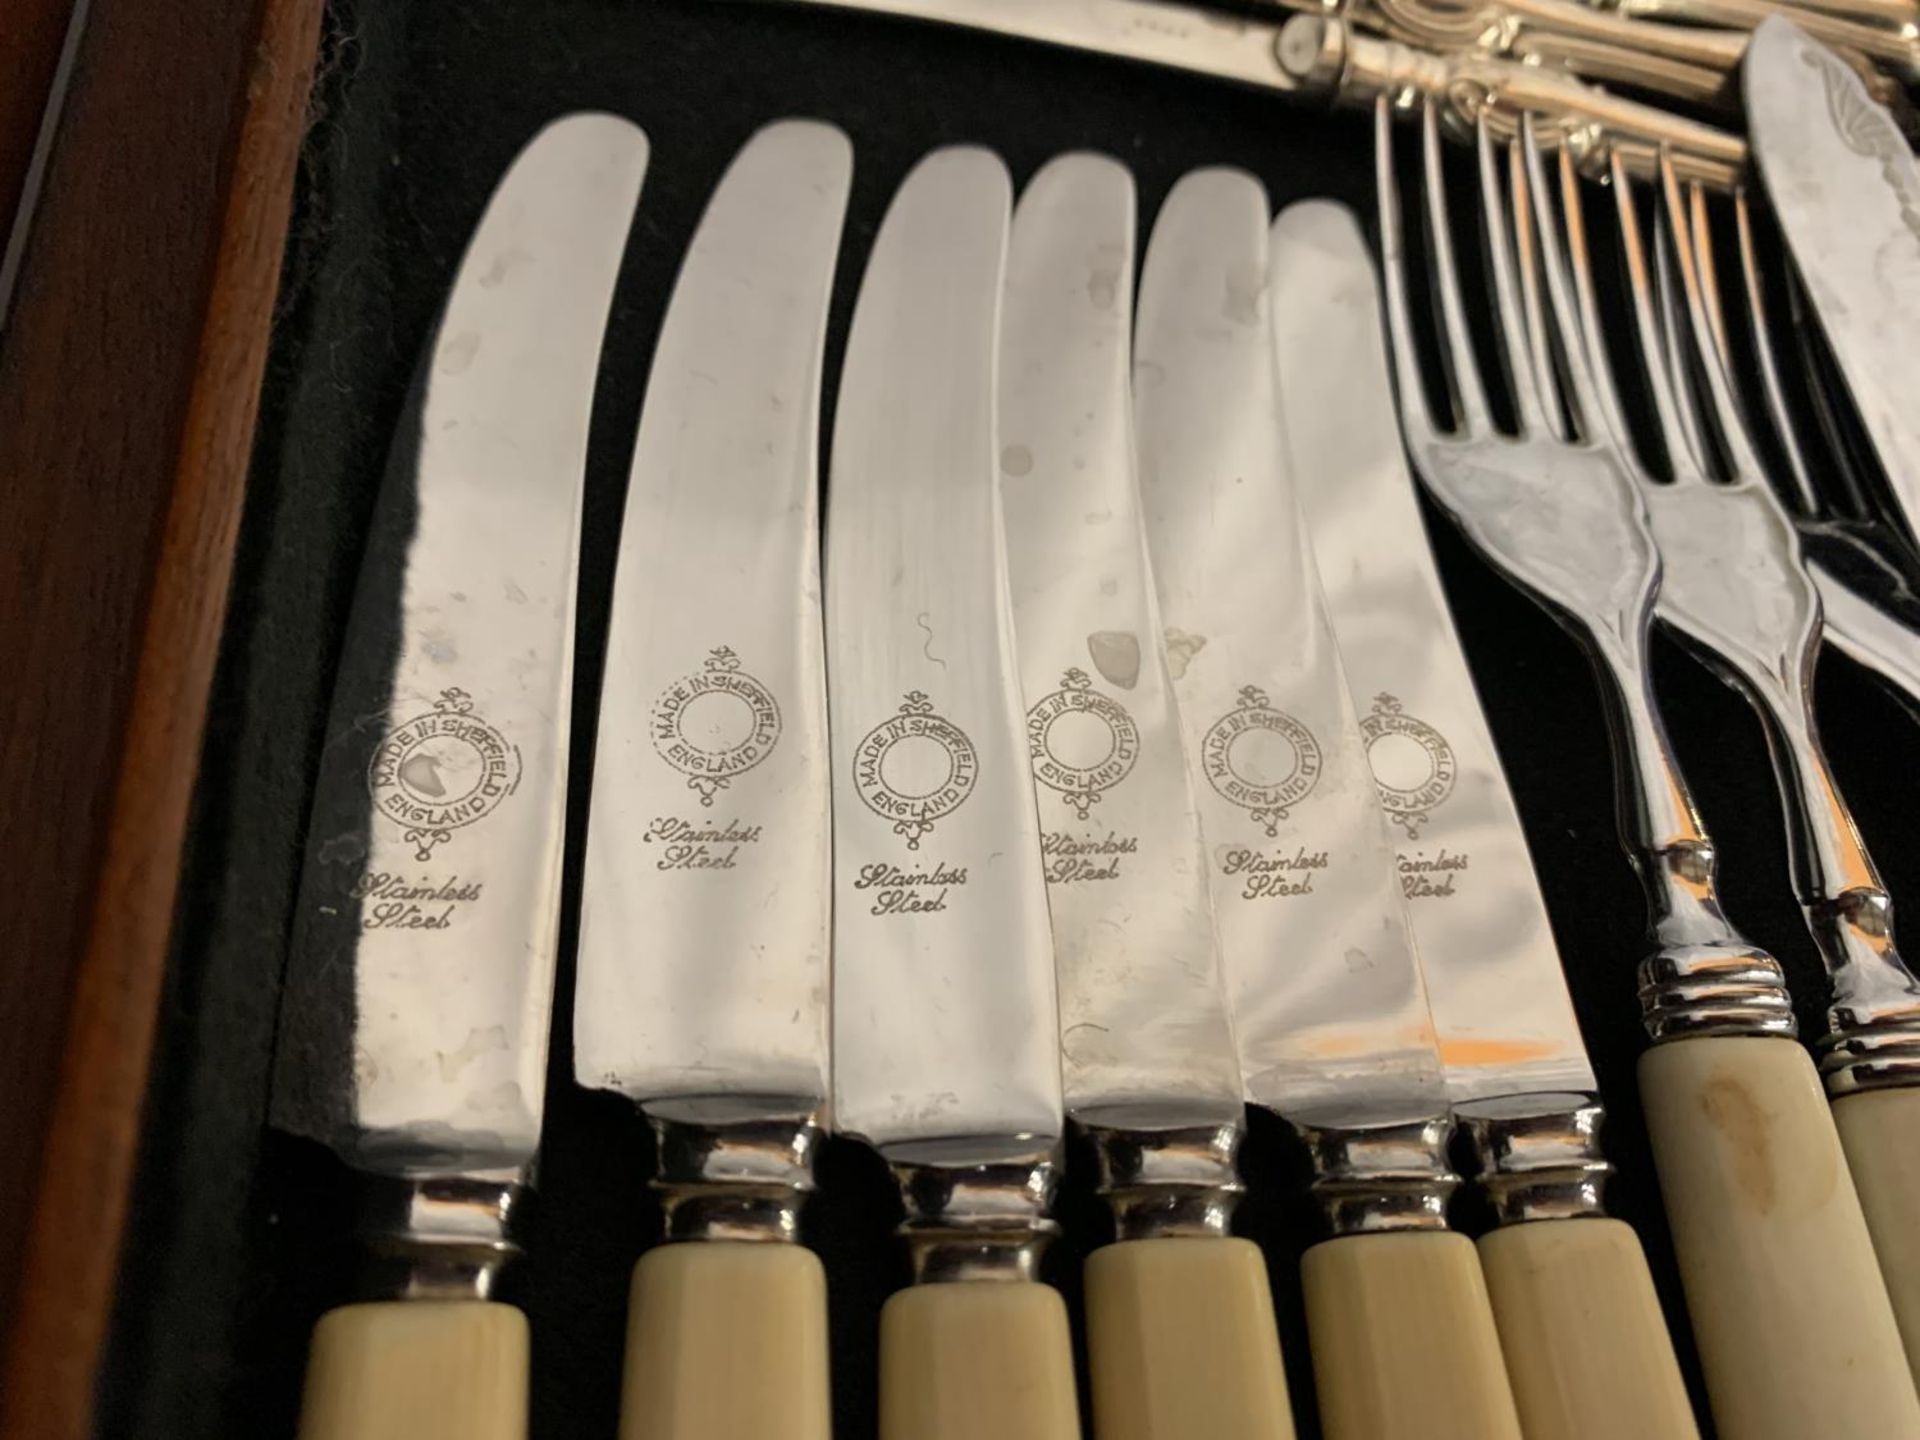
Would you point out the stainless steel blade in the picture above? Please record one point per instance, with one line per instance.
(1144, 1035)
(945, 1046)
(1327, 1000)
(1847, 192)
(1494, 981)
(413, 1033)
(1155, 32)
(703, 929)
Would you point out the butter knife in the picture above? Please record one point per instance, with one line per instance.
(1329, 1009)
(945, 1039)
(413, 1025)
(702, 990)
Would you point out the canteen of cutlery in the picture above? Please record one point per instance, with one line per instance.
(945, 1036)
(414, 1018)
(1329, 1011)
(1756, 1186)
(703, 954)
(1585, 1343)
(1181, 1330)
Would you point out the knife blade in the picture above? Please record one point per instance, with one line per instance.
(413, 1030)
(1329, 1009)
(944, 1018)
(702, 991)
(1580, 1324)
(1180, 1321)
(1844, 185)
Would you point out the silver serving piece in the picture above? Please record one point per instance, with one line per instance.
(1329, 1010)
(1516, 1067)
(946, 1052)
(704, 918)
(413, 1030)
(1146, 1047)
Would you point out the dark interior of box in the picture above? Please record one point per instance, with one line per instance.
(239, 1240)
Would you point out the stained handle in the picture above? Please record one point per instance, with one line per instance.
(1586, 1346)
(726, 1339)
(417, 1370)
(977, 1360)
(1795, 1331)
(1181, 1342)
(1404, 1345)
(1880, 1131)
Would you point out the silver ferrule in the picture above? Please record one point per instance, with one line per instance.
(985, 1221)
(442, 1237)
(1168, 1180)
(736, 1178)
(1871, 1049)
(1382, 1177)
(1714, 988)
(1538, 1157)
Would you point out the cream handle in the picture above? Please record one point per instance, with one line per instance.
(1587, 1348)
(417, 1370)
(1795, 1332)
(1181, 1342)
(1881, 1132)
(977, 1360)
(726, 1339)
(1404, 1346)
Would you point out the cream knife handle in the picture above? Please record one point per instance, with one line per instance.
(725, 1339)
(1795, 1332)
(1404, 1345)
(1587, 1348)
(1181, 1342)
(977, 1360)
(417, 1370)
(1880, 1130)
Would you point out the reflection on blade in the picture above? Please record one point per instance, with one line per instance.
(1499, 997)
(1326, 993)
(414, 1022)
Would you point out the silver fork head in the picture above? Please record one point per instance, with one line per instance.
(1549, 503)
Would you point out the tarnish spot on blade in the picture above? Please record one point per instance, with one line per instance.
(1016, 460)
(1116, 655)
(1181, 648)
(1103, 287)
(479, 1042)
(457, 354)
(503, 266)
(1467, 1054)
(1245, 286)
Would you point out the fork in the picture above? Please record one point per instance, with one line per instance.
(1739, 596)
(1750, 1164)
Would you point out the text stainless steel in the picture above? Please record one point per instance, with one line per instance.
(703, 932)
(413, 1034)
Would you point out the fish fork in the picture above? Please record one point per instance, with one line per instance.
(1750, 1164)
(1738, 595)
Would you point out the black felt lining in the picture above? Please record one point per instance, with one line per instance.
(237, 1245)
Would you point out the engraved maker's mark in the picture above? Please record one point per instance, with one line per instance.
(441, 771)
(914, 768)
(1235, 757)
(1081, 742)
(1413, 765)
(715, 724)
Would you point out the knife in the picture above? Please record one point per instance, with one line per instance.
(1181, 1332)
(1846, 190)
(1585, 1344)
(1329, 1011)
(413, 1026)
(703, 980)
(945, 1040)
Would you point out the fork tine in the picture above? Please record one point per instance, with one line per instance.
(1529, 379)
(1456, 341)
(1581, 388)
(1416, 416)
(1700, 278)
(1656, 359)
(1612, 412)
(1701, 446)
(1539, 345)
(1796, 487)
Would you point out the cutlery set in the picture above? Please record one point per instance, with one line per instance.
(1108, 755)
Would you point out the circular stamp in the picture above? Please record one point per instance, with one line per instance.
(915, 767)
(715, 724)
(1082, 742)
(1413, 765)
(441, 771)
(1261, 759)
